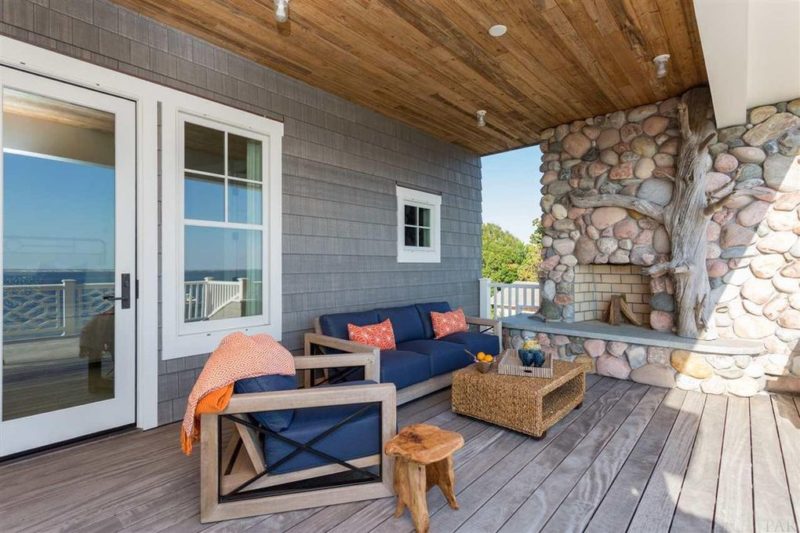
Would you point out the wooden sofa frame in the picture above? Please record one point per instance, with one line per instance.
(407, 394)
(224, 471)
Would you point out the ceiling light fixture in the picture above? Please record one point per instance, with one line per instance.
(481, 116)
(498, 30)
(661, 65)
(281, 10)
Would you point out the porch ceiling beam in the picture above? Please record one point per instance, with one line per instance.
(752, 54)
(723, 26)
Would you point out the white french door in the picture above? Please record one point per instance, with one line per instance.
(67, 176)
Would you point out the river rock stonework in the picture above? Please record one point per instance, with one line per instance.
(753, 257)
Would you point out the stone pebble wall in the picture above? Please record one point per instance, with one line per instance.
(740, 375)
(753, 247)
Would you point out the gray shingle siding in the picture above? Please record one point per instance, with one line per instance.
(341, 162)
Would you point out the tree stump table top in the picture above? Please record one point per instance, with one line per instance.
(424, 444)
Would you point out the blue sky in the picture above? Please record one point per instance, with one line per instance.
(58, 215)
(511, 190)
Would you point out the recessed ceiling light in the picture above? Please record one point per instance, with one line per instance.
(498, 30)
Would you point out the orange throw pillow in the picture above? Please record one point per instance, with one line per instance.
(446, 323)
(378, 335)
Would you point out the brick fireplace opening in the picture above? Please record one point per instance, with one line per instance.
(595, 284)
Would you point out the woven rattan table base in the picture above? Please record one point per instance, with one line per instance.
(524, 404)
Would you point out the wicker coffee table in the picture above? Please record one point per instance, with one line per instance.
(525, 404)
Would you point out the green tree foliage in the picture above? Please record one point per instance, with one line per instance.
(502, 254)
(529, 269)
(507, 259)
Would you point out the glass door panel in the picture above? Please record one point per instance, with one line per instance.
(68, 242)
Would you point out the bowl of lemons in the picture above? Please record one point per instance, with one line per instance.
(483, 362)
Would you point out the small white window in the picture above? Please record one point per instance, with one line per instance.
(418, 226)
(222, 214)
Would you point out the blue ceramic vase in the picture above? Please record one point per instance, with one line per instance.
(531, 357)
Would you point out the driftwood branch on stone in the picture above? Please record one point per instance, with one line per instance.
(715, 206)
(685, 217)
(645, 207)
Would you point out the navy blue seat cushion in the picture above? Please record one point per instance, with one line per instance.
(274, 420)
(335, 325)
(443, 356)
(475, 342)
(406, 322)
(359, 437)
(404, 368)
(424, 311)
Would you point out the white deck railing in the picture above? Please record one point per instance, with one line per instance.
(207, 297)
(42, 310)
(499, 300)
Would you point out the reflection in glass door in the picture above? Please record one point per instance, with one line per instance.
(68, 251)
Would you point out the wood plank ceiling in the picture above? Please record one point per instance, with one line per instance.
(432, 64)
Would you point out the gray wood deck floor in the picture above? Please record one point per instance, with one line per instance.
(633, 458)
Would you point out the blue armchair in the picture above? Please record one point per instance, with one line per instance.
(298, 448)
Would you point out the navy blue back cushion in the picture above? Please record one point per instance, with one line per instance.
(424, 311)
(406, 323)
(274, 420)
(336, 325)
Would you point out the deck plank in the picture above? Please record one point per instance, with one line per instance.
(494, 513)
(322, 518)
(695, 511)
(619, 458)
(771, 501)
(376, 512)
(787, 420)
(575, 509)
(472, 494)
(734, 511)
(619, 503)
(657, 506)
(544, 501)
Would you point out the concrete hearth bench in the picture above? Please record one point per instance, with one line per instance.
(722, 366)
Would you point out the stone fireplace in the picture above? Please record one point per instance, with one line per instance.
(595, 284)
(590, 253)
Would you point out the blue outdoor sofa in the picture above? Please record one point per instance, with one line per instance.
(420, 364)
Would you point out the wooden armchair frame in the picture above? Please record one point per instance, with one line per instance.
(240, 465)
(315, 341)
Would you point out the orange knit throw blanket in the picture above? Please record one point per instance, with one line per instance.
(238, 356)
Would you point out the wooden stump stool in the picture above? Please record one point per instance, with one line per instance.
(423, 458)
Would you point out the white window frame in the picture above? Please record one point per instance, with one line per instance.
(417, 198)
(181, 338)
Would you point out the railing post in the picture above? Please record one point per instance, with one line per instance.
(70, 307)
(242, 296)
(485, 298)
(207, 303)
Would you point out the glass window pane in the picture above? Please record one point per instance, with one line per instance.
(244, 157)
(410, 215)
(204, 198)
(204, 149)
(411, 236)
(222, 273)
(425, 237)
(244, 202)
(424, 217)
(59, 208)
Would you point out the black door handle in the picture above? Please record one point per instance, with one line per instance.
(125, 299)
